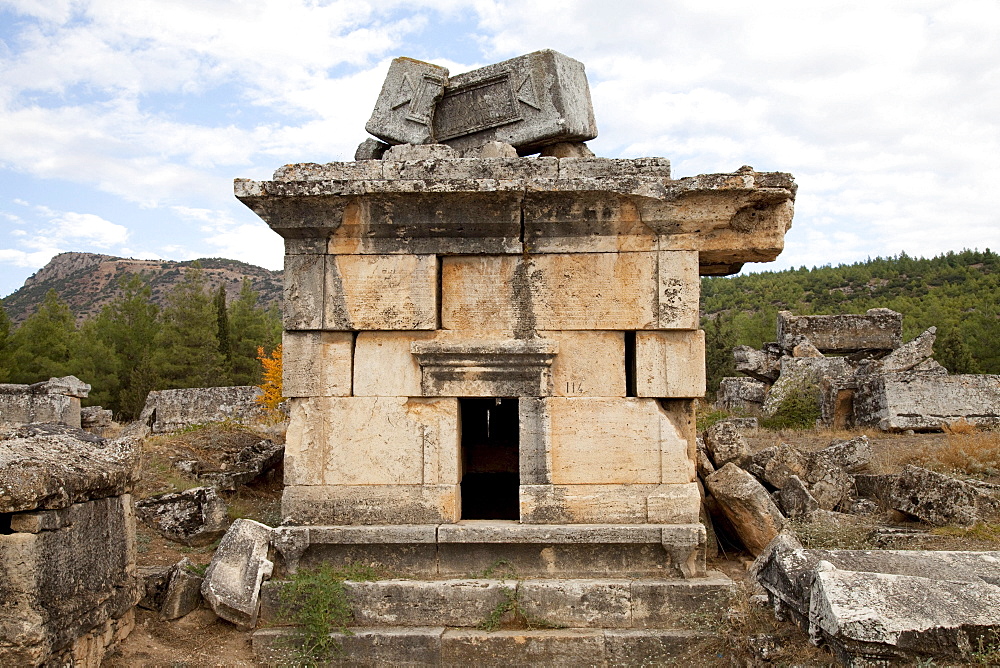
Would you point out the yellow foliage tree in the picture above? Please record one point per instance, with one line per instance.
(270, 386)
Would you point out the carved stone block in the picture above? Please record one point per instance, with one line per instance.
(405, 107)
(670, 364)
(380, 292)
(316, 364)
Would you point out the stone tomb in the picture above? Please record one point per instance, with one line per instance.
(505, 339)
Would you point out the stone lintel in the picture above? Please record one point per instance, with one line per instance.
(510, 368)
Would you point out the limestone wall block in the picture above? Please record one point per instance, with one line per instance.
(589, 364)
(609, 504)
(370, 504)
(615, 441)
(380, 292)
(670, 364)
(302, 303)
(584, 222)
(316, 364)
(384, 365)
(582, 291)
(372, 441)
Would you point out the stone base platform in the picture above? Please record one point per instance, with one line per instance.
(437, 646)
(600, 622)
(469, 547)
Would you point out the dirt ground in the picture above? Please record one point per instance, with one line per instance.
(202, 639)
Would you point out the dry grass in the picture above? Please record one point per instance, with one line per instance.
(963, 452)
(744, 632)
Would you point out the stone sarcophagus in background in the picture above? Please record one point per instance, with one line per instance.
(507, 338)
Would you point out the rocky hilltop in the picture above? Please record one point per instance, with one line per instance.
(88, 281)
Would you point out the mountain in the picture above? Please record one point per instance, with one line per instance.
(88, 281)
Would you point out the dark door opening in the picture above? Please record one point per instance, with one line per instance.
(490, 465)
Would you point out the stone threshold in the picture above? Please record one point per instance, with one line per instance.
(543, 550)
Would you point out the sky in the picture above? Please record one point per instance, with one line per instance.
(124, 122)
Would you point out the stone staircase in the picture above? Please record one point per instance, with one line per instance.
(637, 612)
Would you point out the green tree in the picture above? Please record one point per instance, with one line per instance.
(129, 326)
(5, 327)
(952, 353)
(43, 346)
(93, 360)
(251, 327)
(187, 346)
(222, 322)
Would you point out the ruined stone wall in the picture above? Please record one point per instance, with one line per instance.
(67, 547)
(909, 400)
(55, 401)
(171, 410)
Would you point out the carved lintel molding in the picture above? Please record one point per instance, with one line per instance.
(514, 368)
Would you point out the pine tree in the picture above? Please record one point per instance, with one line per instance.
(954, 354)
(187, 347)
(129, 325)
(94, 361)
(42, 347)
(222, 322)
(4, 344)
(251, 327)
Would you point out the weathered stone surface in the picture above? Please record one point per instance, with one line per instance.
(725, 443)
(795, 499)
(616, 441)
(911, 354)
(371, 149)
(481, 368)
(877, 329)
(854, 456)
(405, 107)
(67, 582)
(703, 463)
(233, 578)
(154, 581)
(741, 394)
(183, 592)
(902, 401)
(586, 504)
(939, 499)
(803, 375)
(567, 149)
(316, 364)
(193, 517)
(763, 365)
(176, 409)
(670, 364)
(57, 470)
(95, 417)
(370, 504)
(410, 153)
(56, 400)
(674, 504)
(379, 292)
(786, 570)
(805, 349)
(747, 505)
(827, 482)
(372, 441)
(491, 149)
(875, 617)
(588, 291)
(784, 462)
(875, 486)
(529, 102)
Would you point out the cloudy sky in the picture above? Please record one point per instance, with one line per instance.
(124, 122)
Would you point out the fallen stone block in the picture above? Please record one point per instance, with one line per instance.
(154, 581)
(747, 506)
(761, 365)
(910, 354)
(804, 375)
(795, 499)
(875, 486)
(193, 517)
(95, 417)
(785, 570)
(870, 618)
(724, 442)
(171, 410)
(233, 578)
(183, 593)
(827, 482)
(784, 462)
(939, 499)
(854, 456)
(909, 400)
(878, 329)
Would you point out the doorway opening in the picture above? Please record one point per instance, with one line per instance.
(490, 462)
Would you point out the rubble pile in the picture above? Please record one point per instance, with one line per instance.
(860, 374)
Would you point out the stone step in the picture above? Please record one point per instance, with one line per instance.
(580, 603)
(533, 550)
(436, 646)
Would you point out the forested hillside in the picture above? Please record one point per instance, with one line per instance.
(957, 292)
(198, 338)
